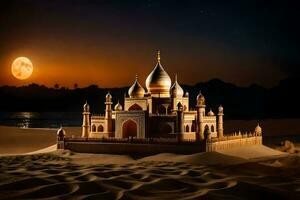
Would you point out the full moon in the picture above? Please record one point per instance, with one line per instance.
(21, 68)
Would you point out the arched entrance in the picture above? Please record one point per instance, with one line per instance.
(212, 128)
(129, 129)
(93, 128)
(206, 128)
(135, 107)
(193, 128)
(187, 128)
(100, 128)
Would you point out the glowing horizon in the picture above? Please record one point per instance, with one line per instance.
(110, 73)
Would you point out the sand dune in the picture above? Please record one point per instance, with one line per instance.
(246, 173)
(205, 158)
(68, 175)
(252, 152)
(49, 149)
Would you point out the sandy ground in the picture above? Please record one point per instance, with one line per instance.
(252, 152)
(19, 140)
(68, 175)
(45, 173)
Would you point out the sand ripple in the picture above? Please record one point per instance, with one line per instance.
(36, 179)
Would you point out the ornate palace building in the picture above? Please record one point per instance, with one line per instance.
(161, 111)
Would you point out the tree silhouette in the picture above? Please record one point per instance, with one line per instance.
(56, 86)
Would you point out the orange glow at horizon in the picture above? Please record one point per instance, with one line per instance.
(107, 70)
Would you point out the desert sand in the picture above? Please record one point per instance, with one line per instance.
(24, 140)
(42, 172)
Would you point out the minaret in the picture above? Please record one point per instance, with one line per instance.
(220, 122)
(61, 133)
(180, 127)
(86, 120)
(108, 113)
(158, 56)
(174, 95)
(200, 117)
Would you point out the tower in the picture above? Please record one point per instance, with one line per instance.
(180, 127)
(220, 122)
(61, 133)
(108, 114)
(86, 120)
(258, 130)
(200, 117)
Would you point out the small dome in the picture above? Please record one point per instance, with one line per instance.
(61, 132)
(176, 89)
(118, 107)
(186, 94)
(136, 90)
(108, 97)
(200, 99)
(210, 113)
(220, 109)
(258, 129)
(158, 82)
(86, 107)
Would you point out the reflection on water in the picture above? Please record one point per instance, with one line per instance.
(26, 119)
(40, 119)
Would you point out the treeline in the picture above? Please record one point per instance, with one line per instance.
(253, 102)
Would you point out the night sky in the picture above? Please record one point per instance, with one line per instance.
(108, 42)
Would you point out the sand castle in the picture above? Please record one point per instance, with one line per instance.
(161, 114)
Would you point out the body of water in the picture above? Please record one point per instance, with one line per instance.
(40, 119)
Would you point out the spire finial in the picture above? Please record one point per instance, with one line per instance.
(158, 56)
(136, 77)
(175, 77)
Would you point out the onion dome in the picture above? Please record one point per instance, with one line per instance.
(158, 82)
(118, 107)
(186, 94)
(258, 130)
(108, 97)
(220, 109)
(86, 107)
(176, 89)
(61, 132)
(210, 113)
(136, 90)
(200, 99)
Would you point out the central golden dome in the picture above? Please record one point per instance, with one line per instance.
(158, 82)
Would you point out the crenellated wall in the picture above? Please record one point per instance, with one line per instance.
(233, 143)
